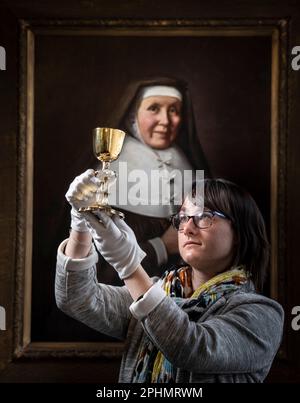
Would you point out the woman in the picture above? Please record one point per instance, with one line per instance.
(157, 116)
(172, 114)
(203, 322)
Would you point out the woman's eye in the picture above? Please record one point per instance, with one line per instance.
(153, 108)
(173, 110)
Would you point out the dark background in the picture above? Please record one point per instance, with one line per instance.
(230, 83)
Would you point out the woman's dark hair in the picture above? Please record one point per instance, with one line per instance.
(252, 246)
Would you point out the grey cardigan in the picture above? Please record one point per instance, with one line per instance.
(235, 339)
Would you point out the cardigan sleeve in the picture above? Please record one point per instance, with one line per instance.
(102, 307)
(244, 337)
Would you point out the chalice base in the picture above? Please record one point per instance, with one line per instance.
(107, 209)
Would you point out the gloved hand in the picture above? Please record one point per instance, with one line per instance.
(82, 193)
(116, 242)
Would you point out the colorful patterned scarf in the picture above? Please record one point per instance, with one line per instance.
(152, 366)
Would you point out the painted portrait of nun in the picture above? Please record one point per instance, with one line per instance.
(157, 116)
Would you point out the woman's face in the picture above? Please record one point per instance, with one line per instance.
(210, 250)
(159, 118)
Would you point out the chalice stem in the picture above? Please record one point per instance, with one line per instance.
(105, 165)
(102, 191)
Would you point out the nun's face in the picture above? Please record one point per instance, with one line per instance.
(159, 119)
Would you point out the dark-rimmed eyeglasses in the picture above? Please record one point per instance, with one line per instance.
(202, 220)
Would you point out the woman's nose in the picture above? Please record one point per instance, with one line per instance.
(164, 117)
(190, 227)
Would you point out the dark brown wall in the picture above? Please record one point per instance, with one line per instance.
(10, 14)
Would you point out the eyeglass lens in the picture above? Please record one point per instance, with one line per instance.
(201, 220)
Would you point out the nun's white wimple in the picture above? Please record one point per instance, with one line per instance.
(160, 90)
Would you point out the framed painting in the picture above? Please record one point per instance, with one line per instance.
(72, 75)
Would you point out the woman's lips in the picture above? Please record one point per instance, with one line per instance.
(191, 243)
(161, 133)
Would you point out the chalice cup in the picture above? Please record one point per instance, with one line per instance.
(107, 145)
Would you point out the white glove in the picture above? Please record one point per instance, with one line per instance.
(116, 242)
(82, 193)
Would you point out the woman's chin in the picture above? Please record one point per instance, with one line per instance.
(161, 145)
(191, 259)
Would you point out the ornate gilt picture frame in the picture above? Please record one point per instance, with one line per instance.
(36, 39)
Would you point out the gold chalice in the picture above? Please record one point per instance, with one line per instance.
(107, 145)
